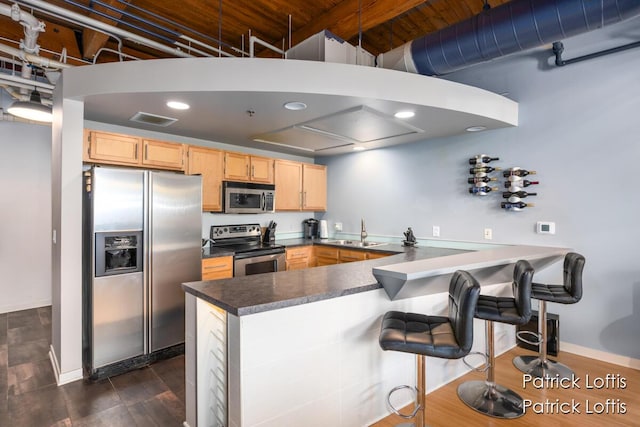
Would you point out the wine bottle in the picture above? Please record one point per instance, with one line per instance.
(516, 205)
(520, 183)
(482, 191)
(521, 194)
(482, 159)
(478, 179)
(517, 172)
(486, 169)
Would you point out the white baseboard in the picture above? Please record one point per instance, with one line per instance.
(615, 359)
(24, 306)
(63, 378)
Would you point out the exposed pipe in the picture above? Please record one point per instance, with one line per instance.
(109, 29)
(558, 48)
(511, 27)
(34, 59)
(20, 82)
(32, 28)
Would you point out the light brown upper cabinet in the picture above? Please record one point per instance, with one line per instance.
(244, 167)
(208, 163)
(111, 148)
(164, 155)
(314, 187)
(300, 186)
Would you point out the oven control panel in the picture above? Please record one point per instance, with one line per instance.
(234, 231)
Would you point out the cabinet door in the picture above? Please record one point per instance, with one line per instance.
(113, 148)
(164, 155)
(209, 164)
(375, 255)
(288, 180)
(314, 187)
(217, 268)
(261, 169)
(347, 255)
(298, 258)
(326, 255)
(236, 167)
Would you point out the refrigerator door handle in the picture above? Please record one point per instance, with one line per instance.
(148, 223)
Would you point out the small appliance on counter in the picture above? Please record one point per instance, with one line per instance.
(324, 229)
(269, 235)
(310, 228)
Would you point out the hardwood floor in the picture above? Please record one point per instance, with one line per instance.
(29, 396)
(620, 397)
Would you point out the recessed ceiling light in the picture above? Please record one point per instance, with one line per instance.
(177, 105)
(475, 128)
(404, 114)
(295, 105)
(358, 148)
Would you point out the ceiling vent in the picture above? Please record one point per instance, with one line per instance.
(352, 126)
(152, 119)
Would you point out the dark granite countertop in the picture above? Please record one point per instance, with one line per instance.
(212, 252)
(270, 291)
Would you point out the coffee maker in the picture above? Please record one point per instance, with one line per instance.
(310, 228)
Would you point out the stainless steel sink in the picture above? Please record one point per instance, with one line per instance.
(355, 243)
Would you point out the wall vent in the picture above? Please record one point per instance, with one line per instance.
(152, 119)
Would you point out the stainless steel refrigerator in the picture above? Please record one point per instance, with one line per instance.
(142, 239)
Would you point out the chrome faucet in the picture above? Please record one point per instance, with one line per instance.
(363, 230)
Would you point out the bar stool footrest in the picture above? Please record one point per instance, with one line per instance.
(537, 342)
(481, 368)
(397, 412)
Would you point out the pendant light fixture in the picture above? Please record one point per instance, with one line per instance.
(32, 109)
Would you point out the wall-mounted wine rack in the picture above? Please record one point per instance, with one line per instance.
(515, 183)
(481, 178)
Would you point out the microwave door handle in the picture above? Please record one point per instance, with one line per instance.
(263, 201)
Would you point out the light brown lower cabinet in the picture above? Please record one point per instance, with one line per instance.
(326, 255)
(348, 255)
(217, 268)
(300, 257)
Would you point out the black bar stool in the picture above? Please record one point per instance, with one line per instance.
(570, 292)
(448, 337)
(486, 396)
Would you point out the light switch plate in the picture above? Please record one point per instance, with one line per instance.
(436, 231)
(488, 234)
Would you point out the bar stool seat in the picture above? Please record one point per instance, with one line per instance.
(570, 292)
(449, 337)
(487, 397)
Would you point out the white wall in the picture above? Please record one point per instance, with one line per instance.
(579, 129)
(25, 215)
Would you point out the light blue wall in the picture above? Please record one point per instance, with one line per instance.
(580, 129)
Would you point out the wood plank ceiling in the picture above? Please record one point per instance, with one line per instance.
(379, 25)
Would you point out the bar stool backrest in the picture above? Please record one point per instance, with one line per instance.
(464, 291)
(521, 287)
(573, 266)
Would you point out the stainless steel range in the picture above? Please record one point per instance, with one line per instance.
(252, 255)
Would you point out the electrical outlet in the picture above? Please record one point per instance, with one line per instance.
(436, 231)
(338, 226)
(488, 234)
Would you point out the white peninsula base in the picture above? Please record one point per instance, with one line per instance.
(316, 364)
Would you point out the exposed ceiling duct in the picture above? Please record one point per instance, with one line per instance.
(512, 27)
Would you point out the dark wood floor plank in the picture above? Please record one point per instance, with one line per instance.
(86, 398)
(24, 334)
(42, 407)
(163, 410)
(31, 351)
(29, 376)
(117, 416)
(171, 372)
(137, 386)
(23, 318)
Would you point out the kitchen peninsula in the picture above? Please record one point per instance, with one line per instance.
(301, 347)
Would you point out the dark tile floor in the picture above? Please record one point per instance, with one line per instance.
(29, 396)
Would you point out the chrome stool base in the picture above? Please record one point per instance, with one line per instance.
(491, 399)
(539, 368)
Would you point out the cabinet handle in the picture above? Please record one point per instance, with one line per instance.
(216, 267)
(135, 156)
(253, 171)
(146, 152)
(304, 200)
(247, 167)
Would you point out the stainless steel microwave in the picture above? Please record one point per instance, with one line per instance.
(247, 197)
